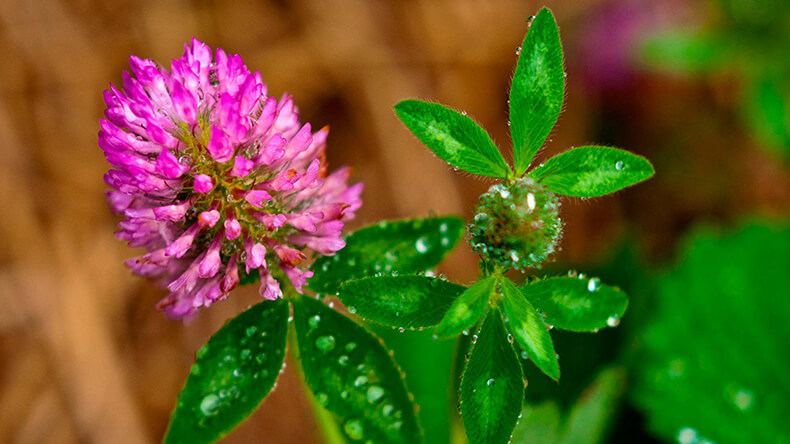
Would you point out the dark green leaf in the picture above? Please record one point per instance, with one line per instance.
(467, 309)
(232, 375)
(406, 246)
(400, 301)
(575, 304)
(530, 332)
(351, 374)
(591, 171)
(716, 352)
(454, 137)
(492, 388)
(538, 89)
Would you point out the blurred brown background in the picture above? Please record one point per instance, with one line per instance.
(84, 355)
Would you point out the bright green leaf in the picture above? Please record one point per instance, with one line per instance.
(538, 424)
(591, 171)
(232, 375)
(467, 309)
(716, 352)
(454, 137)
(492, 388)
(576, 304)
(537, 90)
(351, 374)
(531, 333)
(405, 246)
(400, 301)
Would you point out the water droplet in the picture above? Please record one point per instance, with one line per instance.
(445, 241)
(531, 201)
(490, 382)
(572, 273)
(314, 321)
(508, 123)
(619, 165)
(350, 346)
(465, 332)
(353, 428)
(518, 51)
(260, 358)
(201, 352)
(251, 330)
(344, 394)
(509, 338)
(687, 435)
(342, 360)
(434, 337)
(474, 339)
(743, 399)
(524, 355)
(360, 381)
(209, 405)
(325, 343)
(322, 398)
(480, 217)
(514, 256)
(387, 409)
(443, 228)
(613, 321)
(352, 309)
(593, 284)
(245, 354)
(401, 329)
(237, 373)
(421, 245)
(374, 393)
(463, 113)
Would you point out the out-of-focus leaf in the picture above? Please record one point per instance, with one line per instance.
(400, 301)
(351, 374)
(591, 171)
(531, 333)
(454, 137)
(576, 304)
(589, 419)
(492, 388)
(767, 109)
(537, 90)
(467, 309)
(684, 51)
(232, 375)
(716, 354)
(405, 246)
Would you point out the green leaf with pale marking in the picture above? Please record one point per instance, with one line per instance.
(353, 376)
(576, 304)
(232, 375)
(467, 309)
(400, 301)
(492, 387)
(404, 246)
(538, 89)
(591, 171)
(529, 330)
(454, 137)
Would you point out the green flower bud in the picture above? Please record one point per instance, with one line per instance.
(516, 225)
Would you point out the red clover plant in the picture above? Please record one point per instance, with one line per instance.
(216, 179)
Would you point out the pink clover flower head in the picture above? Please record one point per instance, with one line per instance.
(213, 176)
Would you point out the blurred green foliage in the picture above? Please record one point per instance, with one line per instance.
(716, 353)
(748, 40)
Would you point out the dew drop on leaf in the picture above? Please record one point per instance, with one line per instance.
(353, 428)
(619, 165)
(313, 321)
(421, 245)
(593, 284)
(490, 382)
(360, 381)
(613, 321)
(209, 404)
(325, 343)
(374, 393)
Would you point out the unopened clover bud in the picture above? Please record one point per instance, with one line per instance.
(516, 225)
